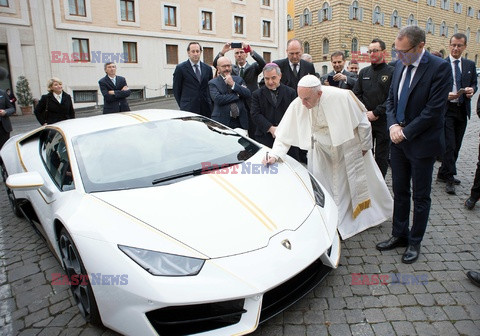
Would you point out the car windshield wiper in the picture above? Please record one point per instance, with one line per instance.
(194, 172)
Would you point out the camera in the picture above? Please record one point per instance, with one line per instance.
(236, 45)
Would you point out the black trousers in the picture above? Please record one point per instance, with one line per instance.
(455, 125)
(408, 170)
(381, 147)
(4, 136)
(475, 192)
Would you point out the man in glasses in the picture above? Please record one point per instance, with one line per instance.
(372, 89)
(464, 76)
(415, 118)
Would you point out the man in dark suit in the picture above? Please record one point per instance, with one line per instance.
(229, 94)
(269, 104)
(6, 110)
(339, 76)
(464, 76)
(415, 118)
(293, 68)
(190, 82)
(248, 71)
(114, 90)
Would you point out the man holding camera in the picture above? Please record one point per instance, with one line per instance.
(339, 77)
(248, 71)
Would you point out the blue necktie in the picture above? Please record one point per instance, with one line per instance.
(458, 79)
(402, 101)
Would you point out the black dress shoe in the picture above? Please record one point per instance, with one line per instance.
(450, 188)
(470, 203)
(411, 254)
(444, 180)
(474, 277)
(392, 243)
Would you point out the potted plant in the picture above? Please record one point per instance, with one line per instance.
(24, 95)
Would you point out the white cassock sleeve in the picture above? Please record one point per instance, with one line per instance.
(365, 133)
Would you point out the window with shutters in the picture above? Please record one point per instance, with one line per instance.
(306, 48)
(378, 16)
(470, 12)
(355, 12)
(430, 27)
(172, 54)
(354, 47)
(289, 23)
(443, 29)
(411, 20)
(395, 20)
(457, 7)
(325, 13)
(445, 4)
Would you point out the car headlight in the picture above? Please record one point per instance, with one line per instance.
(317, 191)
(159, 263)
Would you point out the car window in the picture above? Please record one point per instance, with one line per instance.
(55, 157)
(136, 155)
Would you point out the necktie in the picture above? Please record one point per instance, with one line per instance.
(114, 81)
(274, 96)
(197, 73)
(402, 101)
(234, 112)
(241, 72)
(458, 79)
(295, 72)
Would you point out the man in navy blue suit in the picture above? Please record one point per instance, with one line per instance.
(458, 109)
(114, 90)
(229, 94)
(415, 118)
(190, 82)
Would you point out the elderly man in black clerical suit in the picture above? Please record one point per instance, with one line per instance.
(269, 104)
(114, 90)
(190, 82)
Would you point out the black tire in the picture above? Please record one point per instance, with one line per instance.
(14, 203)
(82, 292)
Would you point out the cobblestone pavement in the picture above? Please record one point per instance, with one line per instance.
(445, 303)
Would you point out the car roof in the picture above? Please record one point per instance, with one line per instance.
(80, 126)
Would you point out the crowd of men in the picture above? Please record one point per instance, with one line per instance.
(405, 124)
(348, 126)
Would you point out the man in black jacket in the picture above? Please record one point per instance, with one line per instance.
(269, 104)
(293, 67)
(458, 109)
(372, 89)
(6, 110)
(339, 77)
(114, 90)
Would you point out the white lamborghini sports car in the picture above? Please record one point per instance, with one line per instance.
(167, 223)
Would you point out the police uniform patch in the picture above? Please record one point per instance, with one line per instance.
(384, 78)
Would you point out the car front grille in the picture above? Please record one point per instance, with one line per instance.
(281, 297)
(191, 319)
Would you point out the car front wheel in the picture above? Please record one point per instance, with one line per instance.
(78, 279)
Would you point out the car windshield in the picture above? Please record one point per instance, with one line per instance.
(156, 153)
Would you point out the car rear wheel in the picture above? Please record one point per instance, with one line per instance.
(14, 203)
(78, 279)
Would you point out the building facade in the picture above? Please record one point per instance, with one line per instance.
(72, 39)
(349, 26)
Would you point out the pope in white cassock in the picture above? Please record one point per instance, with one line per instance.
(332, 124)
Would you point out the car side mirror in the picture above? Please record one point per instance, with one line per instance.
(25, 181)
